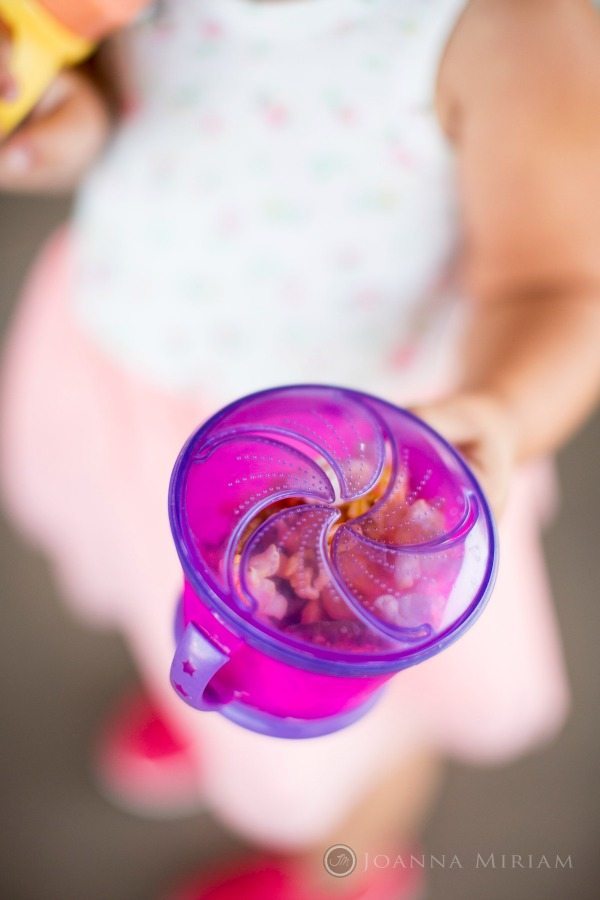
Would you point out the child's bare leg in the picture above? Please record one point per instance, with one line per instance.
(388, 819)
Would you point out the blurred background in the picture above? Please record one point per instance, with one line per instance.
(63, 840)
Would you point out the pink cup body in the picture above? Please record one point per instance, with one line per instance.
(270, 685)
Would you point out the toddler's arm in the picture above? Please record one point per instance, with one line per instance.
(520, 94)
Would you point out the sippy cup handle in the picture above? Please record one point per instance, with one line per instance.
(195, 662)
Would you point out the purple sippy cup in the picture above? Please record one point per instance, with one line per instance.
(328, 540)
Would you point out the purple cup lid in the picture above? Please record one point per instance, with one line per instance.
(332, 530)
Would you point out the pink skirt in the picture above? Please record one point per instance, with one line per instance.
(87, 450)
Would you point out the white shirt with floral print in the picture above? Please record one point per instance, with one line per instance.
(278, 205)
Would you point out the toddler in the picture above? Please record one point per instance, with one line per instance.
(394, 195)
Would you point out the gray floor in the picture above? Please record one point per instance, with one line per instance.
(62, 840)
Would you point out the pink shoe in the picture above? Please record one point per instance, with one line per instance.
(279, 878)
(142, 764)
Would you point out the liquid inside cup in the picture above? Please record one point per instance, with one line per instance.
(328, 519)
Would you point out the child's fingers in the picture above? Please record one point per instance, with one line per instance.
(53, 149)
(480, 433)
(441, 419)
(493, 470)
(453, 418)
